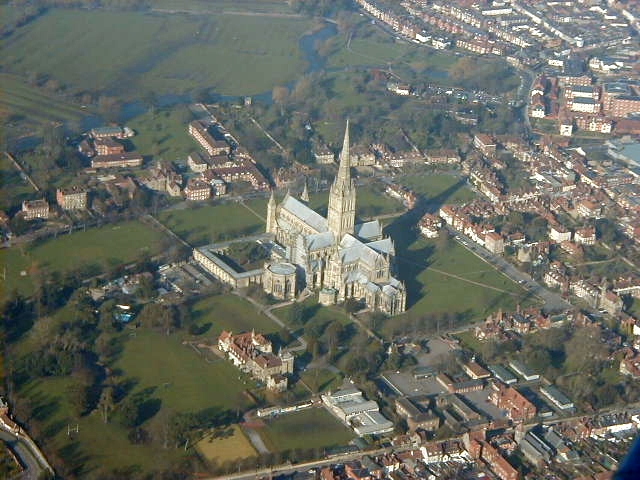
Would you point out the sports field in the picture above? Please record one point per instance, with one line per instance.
(314, 428)
(91, 251)
(231, 444)
(168, 374)
(97, 448)
(131, 53)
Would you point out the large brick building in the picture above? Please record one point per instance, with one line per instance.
(73, 198)
(507, 398)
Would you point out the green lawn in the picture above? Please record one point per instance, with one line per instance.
(316, 313)
(449, 279)
(207, 224)
(133, 53)
(217, 6)
(311, 428)
(372, 49)
(13, 188)
(178, 376)
(170, 373)
(322, 379)
(97, 447)
(92, 250)
(441, 293)
(163, 134)
(34, 104)
(439, 188)
(232, 313)
(370, 201)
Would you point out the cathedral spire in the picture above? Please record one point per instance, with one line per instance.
(344, 172)
(305, 192)
(342, 197)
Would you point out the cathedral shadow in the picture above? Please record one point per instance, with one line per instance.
(404, 233)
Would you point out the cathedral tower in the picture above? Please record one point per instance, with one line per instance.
(342, 199)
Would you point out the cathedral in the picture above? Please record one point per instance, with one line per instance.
(335, 255)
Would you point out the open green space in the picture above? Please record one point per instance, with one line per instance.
(179, 377)
(163, 134)
(231, 313)
(439, 188)
(370, 201)
(322, 379)
(91, 251)
(13, 188)
(96, 448)
(368, 46)
(218, 6)
(170, 375)
(314, 428)
(439, 292)
(314, 313)
(20, 100)
(232, 445)
(133, 53)
(207, 224)
(447, 280)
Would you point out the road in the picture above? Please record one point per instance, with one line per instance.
(552, 301)
(32, 467)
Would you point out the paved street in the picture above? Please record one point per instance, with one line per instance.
(33, 470)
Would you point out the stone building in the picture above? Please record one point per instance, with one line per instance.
(353, 259)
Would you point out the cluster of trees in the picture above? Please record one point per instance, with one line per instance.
(576, 359)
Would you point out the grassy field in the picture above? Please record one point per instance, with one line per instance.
(163, 134)
(322, 380)
(158, 53)
(13, 188)
(453, 280)
(217, 6)
(368, 47)
(19, 99)
(370, 201)
(172, 376)
(178, 376)
(203, 225)
(440, 188)
(311, 428)
(229, 312)
(94, 249)
(97, 447)
(232, 446)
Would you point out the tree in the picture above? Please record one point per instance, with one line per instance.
(128, 410)
(296, 314)
(105, 404)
